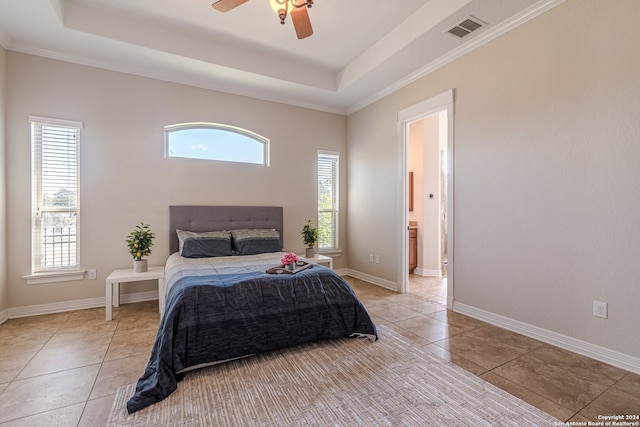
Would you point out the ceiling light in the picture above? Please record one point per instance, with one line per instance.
(297, 9)
(285, 7)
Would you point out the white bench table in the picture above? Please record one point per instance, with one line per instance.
(320, 259)
(112, 286)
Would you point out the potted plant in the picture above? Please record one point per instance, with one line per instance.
(140, 241)
(310, 236)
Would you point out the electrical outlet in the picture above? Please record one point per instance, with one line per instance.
(92, 274)
(600, 309)
(377, 259)
(370, 257)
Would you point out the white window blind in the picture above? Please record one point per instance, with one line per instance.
(328, 163)
(55, 158)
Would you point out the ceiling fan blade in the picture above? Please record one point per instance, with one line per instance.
(227, 5)
(301, 22)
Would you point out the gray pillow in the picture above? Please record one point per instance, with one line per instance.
(251, 241)
(204, 244)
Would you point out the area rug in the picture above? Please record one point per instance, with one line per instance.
(344, 382)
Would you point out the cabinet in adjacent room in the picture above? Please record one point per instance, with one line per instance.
(413, 249)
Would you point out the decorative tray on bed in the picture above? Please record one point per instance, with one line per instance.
(281, 269)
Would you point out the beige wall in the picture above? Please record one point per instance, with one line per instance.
(546, 173)
(3, 185)
(125, 178)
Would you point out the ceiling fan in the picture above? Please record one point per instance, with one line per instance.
(296, 8)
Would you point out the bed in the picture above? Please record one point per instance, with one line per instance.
(227, 306)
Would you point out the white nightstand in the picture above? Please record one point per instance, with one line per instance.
(112, 287)
(320, 259)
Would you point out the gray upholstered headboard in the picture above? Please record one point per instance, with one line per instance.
(215, 218)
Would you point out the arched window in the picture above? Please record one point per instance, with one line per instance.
(214, 141)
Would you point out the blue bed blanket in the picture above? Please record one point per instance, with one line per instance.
(219, 309)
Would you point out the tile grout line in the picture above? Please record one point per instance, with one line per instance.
(534, 392)
(600, 394)
(30, 360)
(95, 380)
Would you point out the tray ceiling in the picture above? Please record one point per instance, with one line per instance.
(360, 49)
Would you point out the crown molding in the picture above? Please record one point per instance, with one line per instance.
(175, 78)
(270, 92)
(482, 39)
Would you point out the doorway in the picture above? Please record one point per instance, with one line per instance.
(426, 156)
(426, 143)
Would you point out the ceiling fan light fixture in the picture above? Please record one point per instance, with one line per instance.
(297, 9)
(281, 8)
(284, 7)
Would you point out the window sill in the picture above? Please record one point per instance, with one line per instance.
(54, 276)
(330, 252)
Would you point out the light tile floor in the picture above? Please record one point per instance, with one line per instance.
(565, 385)
(64, 369)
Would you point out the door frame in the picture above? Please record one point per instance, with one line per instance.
(441, 102)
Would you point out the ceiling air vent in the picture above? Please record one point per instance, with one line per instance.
(465, 27)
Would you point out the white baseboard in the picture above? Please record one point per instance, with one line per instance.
(373, 279)
(611, 357)
(342, 272)
(427, 273)
(60, 307)
(593, 351)
(450, 302)
(81, 304)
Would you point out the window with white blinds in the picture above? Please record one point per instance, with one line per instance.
(55, 168)
(328, 163)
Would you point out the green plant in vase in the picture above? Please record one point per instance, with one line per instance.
(310, 237)
(139, 242)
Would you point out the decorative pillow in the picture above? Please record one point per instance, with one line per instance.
(251, 241)
(204, 244)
